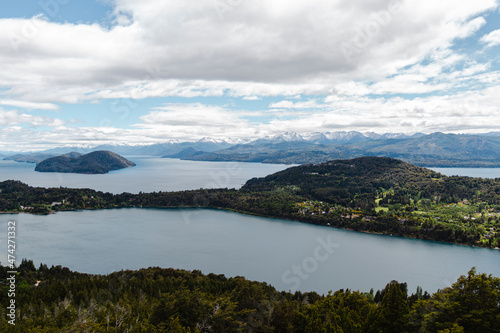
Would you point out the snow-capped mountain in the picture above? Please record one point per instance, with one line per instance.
(279, 138)
(340, 137)
(210, 144)
(209, 140)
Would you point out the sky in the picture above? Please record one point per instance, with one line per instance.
(92, 72)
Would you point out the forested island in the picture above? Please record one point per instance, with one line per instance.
(369, 194)
(96, 162)
(56, 299)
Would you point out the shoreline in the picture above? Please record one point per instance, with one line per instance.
(250, 214)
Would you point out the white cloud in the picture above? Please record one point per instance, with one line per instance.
(311, 104)
(14, 117)
(252, 50)
(29, 105)
(195, 120)
(198, 50)
(466, 112)
(491, 39)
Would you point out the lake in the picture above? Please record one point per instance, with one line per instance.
(288, 255)
(166, 174)
(470, 172)
(149, 175)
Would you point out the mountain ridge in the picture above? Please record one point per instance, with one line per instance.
(430, 150)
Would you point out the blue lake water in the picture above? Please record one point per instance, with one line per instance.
(470, 172)
(150, 174)
(288, 255)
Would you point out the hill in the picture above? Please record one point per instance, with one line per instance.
(97, 162)
(355, 180)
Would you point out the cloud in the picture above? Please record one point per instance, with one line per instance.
(460, 112)
(464, 112)
(311, 104)
(491, 39)
(401, 70)
(196, 120)
(171, 48)
(29, 105)
(14, 117)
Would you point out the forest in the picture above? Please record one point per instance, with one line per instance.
(56, 299)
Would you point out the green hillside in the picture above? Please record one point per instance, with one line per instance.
(361, 180)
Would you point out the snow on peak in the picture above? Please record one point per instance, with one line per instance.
(209, 140)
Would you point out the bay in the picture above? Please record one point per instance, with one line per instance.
(288, 255)
(149, 175)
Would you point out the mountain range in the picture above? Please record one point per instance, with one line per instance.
(431, 150)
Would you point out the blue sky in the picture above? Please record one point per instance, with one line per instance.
(137, 72)
(62, 11)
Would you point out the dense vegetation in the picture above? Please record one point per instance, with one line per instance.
(168, 300)
(92, 163)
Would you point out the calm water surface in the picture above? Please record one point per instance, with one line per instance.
(470, 172)
(262, 249)
(150, 174)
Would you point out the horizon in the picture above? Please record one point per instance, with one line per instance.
(304, 136)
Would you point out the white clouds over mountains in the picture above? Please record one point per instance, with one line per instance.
(342, 52)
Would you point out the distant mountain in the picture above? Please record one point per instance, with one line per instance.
(384, 136)
(340, 137)
(433, 150)
(437, 149)
(35, 157)
(188, 152)
(284, 137)
(29, 158)
(160, 149)
(315, 137)
(97, 162)
(82, 149)
(295, 152)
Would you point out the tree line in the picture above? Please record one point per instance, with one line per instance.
(169, 300)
